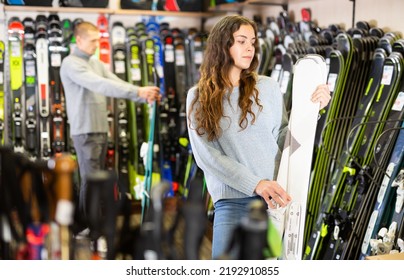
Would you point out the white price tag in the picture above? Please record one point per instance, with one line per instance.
(119, 67)
(169, 54)
(56, 59)
(387, 74)
(332, 78)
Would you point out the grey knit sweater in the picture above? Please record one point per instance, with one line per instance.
(235, 163)
(86, 84)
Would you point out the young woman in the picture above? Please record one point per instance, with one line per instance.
(237, 123)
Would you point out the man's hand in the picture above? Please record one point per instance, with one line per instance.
(150, 93)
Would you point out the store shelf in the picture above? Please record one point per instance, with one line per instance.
(166, 13)
(56, 9)
(266, 2)
(238, 6)
(109, 11)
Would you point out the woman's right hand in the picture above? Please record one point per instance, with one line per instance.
(272, 193)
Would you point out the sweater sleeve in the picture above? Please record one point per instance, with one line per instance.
(212, 161)
(110, 85)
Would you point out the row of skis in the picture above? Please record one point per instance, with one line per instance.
(356, 193)
(39, 218)
(147, 144)
(33, 118)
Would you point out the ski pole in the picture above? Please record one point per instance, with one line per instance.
(194, 213)
(36, 202)
(64, 167)
(102, 210)
(151, 232)
(12, 205)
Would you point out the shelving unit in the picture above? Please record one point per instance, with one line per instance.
(166, 13)
(322, 8)
(112, 12)
(56, 9)
(108, 11)
(283, 3)
(238, 6)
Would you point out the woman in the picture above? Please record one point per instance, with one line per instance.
(237, 123)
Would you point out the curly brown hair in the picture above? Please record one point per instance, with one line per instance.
(215, 82)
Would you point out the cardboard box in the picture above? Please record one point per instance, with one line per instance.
(397, 256)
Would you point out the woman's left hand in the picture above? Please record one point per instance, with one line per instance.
(322, 95)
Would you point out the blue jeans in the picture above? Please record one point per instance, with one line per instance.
(228, 214)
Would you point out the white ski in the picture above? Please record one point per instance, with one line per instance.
(295, 166)
(42, 62)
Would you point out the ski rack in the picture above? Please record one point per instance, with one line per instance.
(237, 6)
(112, 11)
(377, 141)
(352, 157)
(37, 204)
(362, 174)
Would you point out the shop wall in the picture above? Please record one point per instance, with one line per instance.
(385, 14)
(127, 20)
